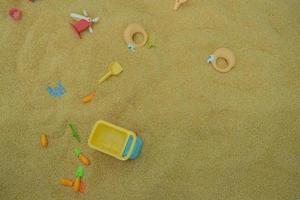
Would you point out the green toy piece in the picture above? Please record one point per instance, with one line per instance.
(77, 152)
(75, 132)
(149, 44)
(79, 172)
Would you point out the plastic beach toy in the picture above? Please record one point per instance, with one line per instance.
(44, 140)
(89, 97)
(131, 31)
(74, 132)
(79, 174)
(224, 53)
(57, 91)
(70, 183)
(178, 3)
(84, 22)
(149, 44)
(115, 141)
(15, 13)
(131, 47)
(66, 182)
(113, 69)
(83, 158)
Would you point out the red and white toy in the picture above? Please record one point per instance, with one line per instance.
(15, 13)
(84, 22)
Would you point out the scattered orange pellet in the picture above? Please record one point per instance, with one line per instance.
(76, 185)
(89, 98)
(84, 159)
(69, 183)
(66, 182)
(82, 187)
(44, 140)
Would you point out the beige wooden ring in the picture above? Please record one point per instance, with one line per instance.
(133, 29)
(226, 54)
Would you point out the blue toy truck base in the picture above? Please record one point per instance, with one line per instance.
(137, 148)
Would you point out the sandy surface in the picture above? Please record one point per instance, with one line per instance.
(207, 135)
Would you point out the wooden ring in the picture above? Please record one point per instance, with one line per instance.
(133, 29)
(226, 54)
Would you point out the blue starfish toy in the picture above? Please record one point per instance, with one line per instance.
(57, 91)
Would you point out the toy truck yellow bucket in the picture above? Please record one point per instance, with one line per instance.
(115, 141)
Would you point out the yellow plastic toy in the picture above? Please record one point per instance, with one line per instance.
(113, 69)
(115, 141)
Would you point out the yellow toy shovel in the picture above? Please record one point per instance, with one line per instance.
(113, 69)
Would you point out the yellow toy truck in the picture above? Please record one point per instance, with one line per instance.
(115, 141)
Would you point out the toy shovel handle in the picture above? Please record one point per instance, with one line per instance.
(106, 76)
